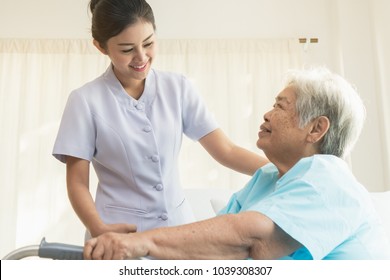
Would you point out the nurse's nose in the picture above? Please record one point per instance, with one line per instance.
(140, 54)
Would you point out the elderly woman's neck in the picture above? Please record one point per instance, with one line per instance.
(285, 166)
(286, 160)
(283, 169)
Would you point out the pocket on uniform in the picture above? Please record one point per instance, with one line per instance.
(133, 211)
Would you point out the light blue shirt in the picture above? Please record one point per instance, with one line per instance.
(320, 204)
(134, 145)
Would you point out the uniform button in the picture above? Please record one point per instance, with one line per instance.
(155, 158)
(140, 106)
(147, 128)
(164, 217)
(159, 187)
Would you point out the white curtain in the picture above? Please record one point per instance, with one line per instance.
(381, 44)
(238, 80)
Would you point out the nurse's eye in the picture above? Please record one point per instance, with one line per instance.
(127, 51)
(147, 45)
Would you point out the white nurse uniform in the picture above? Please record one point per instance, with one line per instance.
(134, 145)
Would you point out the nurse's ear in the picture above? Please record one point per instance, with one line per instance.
(99, 47)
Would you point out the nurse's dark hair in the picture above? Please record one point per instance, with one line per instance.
(111, 17)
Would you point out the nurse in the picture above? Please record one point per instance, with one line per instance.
(129, 123)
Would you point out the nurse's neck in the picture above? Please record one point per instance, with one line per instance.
(135, 90)
(133, 87)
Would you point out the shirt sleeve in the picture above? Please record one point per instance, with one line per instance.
(197, 119)
(301, 212)
(77, 133)
(256, 188)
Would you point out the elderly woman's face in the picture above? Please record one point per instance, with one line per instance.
(280, 136)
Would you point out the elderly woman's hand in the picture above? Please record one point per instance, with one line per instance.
(114, 246)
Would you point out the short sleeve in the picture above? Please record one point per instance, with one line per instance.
(197, 119)
(258, 187)
(76, 134)
(300, 211)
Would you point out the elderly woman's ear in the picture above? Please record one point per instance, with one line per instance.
(319, 127)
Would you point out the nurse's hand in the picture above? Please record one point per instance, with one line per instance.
(119, 228)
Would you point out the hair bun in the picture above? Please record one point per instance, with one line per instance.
(92, 5)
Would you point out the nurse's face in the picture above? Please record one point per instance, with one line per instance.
(132, 51)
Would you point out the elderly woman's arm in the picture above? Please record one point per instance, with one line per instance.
(232, 236)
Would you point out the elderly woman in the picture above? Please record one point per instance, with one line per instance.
(305, 204)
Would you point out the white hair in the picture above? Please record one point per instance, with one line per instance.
(322, 93)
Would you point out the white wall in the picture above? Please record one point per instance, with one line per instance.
(175, 18)
(347, 30)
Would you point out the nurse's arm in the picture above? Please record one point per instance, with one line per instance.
(223, 150)
(77, 181)
(231, 236)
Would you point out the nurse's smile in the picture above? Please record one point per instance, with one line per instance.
(140, 68)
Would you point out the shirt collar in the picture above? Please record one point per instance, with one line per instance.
(147, 96)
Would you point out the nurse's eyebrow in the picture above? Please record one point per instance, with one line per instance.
(131, 44)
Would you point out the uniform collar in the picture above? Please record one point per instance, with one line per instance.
(117, 89)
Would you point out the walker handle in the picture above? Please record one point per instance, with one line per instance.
(60, 251)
